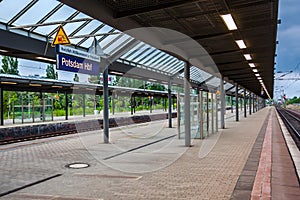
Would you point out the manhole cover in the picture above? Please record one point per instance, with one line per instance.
(77, 165)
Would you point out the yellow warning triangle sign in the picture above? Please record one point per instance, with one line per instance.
(60, 37)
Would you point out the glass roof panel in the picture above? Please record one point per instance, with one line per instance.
(131, 51)
(62, 14)
(115, 46)
(107, 38)
(214, 82)
(145, 60)
(145, 50)
(156, 63)
(38, 10)
(227, 86)
(153, 56)
(137, 50)
(9, 9)
(88, 28)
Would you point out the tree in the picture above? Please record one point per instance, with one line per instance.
(50, 72)
(156, 86)
(9, 65)
(76, 78)
(94, 79)
(294, 100)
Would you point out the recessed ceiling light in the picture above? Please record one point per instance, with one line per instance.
(257, 75)
(247, 56)
(241, 44)
(251, 64)
(9, 83)
(229, 22)
(35, 85)
(46, 59)
(117, 73)
(4, 51)
(254, 70)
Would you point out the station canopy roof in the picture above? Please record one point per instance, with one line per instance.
(28, 27)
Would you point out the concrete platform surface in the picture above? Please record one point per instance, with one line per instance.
(145, 161)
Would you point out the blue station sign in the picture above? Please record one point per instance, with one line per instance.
(74, 60)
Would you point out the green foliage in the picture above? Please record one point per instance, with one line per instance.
(94, 79)
(9, 65)
(128, 82)
(156, 86)
(294, 100)
(50, 72)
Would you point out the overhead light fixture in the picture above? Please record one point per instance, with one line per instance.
(257, 75)
(241, 44)
(259, 78)
(229, 22)
(247, 56)
(35, 85)
(254, 70)
(116, 73)
(56, 86)
(45, 59)
(251, 64)
(4, 51)
(150, 79)
(8, 83)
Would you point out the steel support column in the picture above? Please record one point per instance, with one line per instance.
(105, 106)
(207, 113)
(113, 96)
(217, 113)
(201, 114)
(178, 114)
(1, 107)
(83, 105)
(236, 102)
(66, 105)
(187, 124)
(245, 103)
(253, 102)
(250, 103)
(222, 98)
(212, 113)
(231, 101)
(169, 104)
(22, 110)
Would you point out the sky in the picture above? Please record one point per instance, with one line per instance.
(288, 49)
(288, 53)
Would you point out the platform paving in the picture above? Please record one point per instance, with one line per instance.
(144, 161)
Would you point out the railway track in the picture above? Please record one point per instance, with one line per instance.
(291, 119)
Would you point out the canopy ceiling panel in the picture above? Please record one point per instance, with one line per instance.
(200, 19)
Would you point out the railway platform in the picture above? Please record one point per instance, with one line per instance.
(247, 160)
